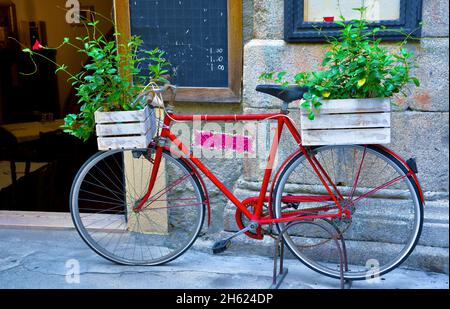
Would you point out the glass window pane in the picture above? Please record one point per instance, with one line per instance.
(330, 10)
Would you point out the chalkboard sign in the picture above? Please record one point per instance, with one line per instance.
(194, 33)
(202, 38)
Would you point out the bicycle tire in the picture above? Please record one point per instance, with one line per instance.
(324, 268)
(179, 245)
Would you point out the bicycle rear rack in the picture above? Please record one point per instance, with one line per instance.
(279, 276)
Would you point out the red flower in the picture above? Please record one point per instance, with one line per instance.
(37, 45)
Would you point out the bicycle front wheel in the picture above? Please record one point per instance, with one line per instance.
(386, 211)
(106, 192)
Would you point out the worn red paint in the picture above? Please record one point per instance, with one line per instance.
(423, 98)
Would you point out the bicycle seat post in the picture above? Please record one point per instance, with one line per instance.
(284, 108)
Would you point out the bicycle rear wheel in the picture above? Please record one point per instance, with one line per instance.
(111, 184)
(386, 219)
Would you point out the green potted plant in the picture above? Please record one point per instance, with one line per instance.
(350, 99)
(109, 88)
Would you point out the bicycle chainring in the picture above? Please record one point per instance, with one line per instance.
(242, 221)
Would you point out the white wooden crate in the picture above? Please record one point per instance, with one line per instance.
(125, 130)
(347, 122)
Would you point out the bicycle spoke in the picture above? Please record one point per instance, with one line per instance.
(387, 184)
(135, 196)
(97, 201)
(356, 179)
(165, 190)
(105, 187)
(101, 195)
(98, 186)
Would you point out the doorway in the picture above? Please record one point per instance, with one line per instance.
(38, 161)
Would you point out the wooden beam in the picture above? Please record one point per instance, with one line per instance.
(122, 20)
(235, 47)
(29, 219)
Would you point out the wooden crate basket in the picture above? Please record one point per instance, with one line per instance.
(348, 122)
(125, 130)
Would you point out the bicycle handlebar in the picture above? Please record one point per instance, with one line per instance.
(151, 90)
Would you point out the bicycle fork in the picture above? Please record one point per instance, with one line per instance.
(153, 176)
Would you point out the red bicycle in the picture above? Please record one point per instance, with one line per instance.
(148, 206)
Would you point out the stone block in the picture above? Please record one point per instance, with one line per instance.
(269, 19)
(435, 18)
(433, 73)
(425, 137)
(247, 8)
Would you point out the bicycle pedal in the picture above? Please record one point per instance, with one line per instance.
(221, 246)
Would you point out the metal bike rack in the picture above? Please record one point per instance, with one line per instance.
(279, 276)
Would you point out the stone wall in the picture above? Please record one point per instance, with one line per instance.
(420, 121)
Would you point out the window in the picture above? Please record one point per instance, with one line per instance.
(304, 17)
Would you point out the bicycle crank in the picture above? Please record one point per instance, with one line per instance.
(242, 221)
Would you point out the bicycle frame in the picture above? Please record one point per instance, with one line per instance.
(257, 216)
(334, 196)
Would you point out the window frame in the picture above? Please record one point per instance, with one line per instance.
(230, 94)
(296, 29)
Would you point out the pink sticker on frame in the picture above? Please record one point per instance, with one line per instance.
(237, 143)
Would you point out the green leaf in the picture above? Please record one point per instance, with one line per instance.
(416, 81)
(61, 68)
(317, 105)
(307, 96)
(404, 52)
(93, 24)
(305, 105)
(299, 77)
(266, 76)
(311, 116)
(280, 76)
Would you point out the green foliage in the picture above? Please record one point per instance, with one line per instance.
(112, 78)
(356, 66)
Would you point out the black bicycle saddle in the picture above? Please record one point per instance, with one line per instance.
(286, 94)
